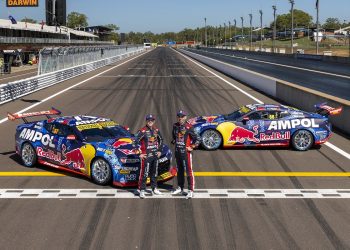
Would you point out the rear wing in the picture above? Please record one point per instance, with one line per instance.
(23, 116)
(325, 110)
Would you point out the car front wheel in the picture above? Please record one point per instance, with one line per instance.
(101, 172)
(211, 139)
(302, 140)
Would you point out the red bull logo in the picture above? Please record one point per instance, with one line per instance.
(240, 134)
(74, 157)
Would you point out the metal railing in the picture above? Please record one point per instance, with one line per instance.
(53, 59)
(16, 89)
(33, 40)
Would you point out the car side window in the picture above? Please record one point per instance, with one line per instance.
(255, 116)
(270, 115)
(61, 129)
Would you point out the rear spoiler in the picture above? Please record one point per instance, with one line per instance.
(23, 116)
(325, 110)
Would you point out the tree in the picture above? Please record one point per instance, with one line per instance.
(332, 23)
(28, 20)
(301, 19)
(75, 20)
(113, 34)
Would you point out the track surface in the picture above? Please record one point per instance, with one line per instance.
(161, 82)
(307, 73)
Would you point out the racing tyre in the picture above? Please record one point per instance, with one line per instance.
(28, 155)
(302, 140)
(101, 173)
(211, 139)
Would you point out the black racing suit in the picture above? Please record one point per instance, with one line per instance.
(183, 137)
(151, 142)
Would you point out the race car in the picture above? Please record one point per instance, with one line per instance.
(95, 147)
(265, 125)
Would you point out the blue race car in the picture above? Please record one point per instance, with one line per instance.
(95, 147)
(265, 125)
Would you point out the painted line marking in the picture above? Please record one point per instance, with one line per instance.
(199, 194)
(200, 174)
(282, 65)
(73, 86)
(328, 144)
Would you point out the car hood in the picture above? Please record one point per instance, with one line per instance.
(206, 119)
(123, 147)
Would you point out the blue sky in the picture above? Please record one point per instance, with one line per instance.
(175, 15)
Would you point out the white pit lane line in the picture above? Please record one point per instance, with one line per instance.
(198, 194)
(328, 144)
(73, 86)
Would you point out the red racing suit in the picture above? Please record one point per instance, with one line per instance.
(183, 137)
(151, 142)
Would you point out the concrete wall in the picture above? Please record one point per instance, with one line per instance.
(290, 93)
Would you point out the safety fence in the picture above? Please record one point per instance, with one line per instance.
(14, 90)
(54, 59)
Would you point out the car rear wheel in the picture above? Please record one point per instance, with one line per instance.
(101, 172)
(28, 155)
(302, 140)
(211, 139)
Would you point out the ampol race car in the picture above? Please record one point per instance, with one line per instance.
(266, 125)
(95, 147)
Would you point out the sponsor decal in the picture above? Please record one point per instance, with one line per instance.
(130, 168)
(34, 136)
(161, 160)
(99, 125)
(49, 154)
(122, 171)
(98, 120)
(127, 151)
(240, 134)
(130, 177)
(275, 136)
(288, 124)
(22, 3)
(209, 118)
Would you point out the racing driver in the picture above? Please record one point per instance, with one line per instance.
(150, 140)
(185, 140)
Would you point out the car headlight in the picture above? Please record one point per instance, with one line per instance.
(197, 130)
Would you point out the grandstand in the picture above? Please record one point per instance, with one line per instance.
(31, 30)
(20, 41)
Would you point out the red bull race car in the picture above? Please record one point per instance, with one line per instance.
(266, 125)
(95, 147)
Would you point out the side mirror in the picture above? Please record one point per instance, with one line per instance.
(71, 137)
(245, 119)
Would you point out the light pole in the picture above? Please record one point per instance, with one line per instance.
(225, 35)
(251, 31)
(229, 33)
(317, 26)
(205, 36)
(242, 19)
(292, 35)
(274, 28)
(261, 28)
(235, 26)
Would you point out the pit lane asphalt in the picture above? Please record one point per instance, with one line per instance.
(162, 82)
(330, 84)
(18, 75)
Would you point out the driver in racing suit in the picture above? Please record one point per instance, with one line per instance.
(185, 140)
(151, 142)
